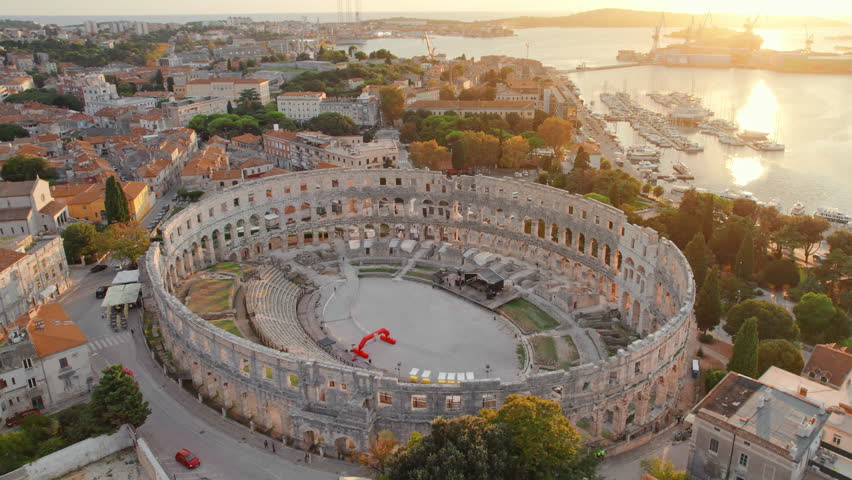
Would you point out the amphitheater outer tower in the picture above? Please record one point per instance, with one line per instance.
(313, 401)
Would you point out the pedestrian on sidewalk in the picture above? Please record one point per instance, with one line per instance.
(273, 447)
(131, 331)
(265, 444)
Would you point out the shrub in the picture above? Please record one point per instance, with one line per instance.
(707, 338)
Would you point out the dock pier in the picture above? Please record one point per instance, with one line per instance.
(605, 67)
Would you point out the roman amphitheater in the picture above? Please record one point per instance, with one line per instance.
(465, 290)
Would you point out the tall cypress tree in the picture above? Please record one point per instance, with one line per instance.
(707, 218)
(708, 306)
(744, 263)
(698, 256)
(744, 358)
(115, 203)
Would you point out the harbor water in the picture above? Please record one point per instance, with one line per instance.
(808, 113)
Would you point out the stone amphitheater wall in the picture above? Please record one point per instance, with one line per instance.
(341, 407)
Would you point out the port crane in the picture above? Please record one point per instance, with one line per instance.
(809, 41)
(657, 29)
(700, 31)
(429, 48)
(750, 23)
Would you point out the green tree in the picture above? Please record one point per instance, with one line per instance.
(158, 80)
(744, 263)
(333, 123)
(744, 358)
(79, 240)
(23, 167)
(708, 306)
(557, 133)
(699, 257)
(9, 132)
(662, 469)
(812, 230)
(116, 400)
(447, 92)
(380, 453)
(248, 102)
(773, 321)
(781, 273)
(659, 191)
(115, 203)
(532, 422)
(712, 378)
(127, 241)
(464, 448)
(777, 352)
(359, 55)
(393, 103)
(515, 150)
(814, 314)
(170, 84)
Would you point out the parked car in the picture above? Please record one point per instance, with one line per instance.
(101, 291)
(98, 268)
(187, 459)
(20, 416)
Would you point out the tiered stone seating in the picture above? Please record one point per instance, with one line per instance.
(274, 299)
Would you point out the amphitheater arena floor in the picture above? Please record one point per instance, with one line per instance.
(435, 330)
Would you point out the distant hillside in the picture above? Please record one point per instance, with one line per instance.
(615, 17)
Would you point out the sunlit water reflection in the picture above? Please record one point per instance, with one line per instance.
(745, 170)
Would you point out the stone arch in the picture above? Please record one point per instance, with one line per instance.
(569, 237)
(254, 224)
(241, 228)
(345, 447)
(594, 248)
(581, 243)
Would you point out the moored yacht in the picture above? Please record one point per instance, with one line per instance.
(832, 215)
(797, 209)
(643, 153)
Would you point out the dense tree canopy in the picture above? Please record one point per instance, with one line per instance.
(393, 103)
(127, 241)
(116, 206)
(333, 123)
(777, 352)
(430, 155)
(117, 400)
(744, 360)
(773, 321)
(780, 273)
(24, 167)
(699, 257)
(557, 133)
(819, 320)
(79, 240)
(708, 306)
(9, 132)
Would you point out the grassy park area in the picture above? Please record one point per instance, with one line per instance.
(544, 351)
(377, 270)
(527, 316)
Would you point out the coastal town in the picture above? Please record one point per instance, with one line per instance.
(200, 221)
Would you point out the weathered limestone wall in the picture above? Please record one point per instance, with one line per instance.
(645, 275)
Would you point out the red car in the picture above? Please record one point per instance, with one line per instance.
(20, 416)
(187, 459)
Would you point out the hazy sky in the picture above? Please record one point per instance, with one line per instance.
(827, 8)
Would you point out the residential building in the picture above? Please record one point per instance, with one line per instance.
(744, 429)
(87, 201)
(303, 106)
(98, 94)
(27, 208)
(306, 150)
(228, 88)
(254, 167)
(246, 142)
(464, 107)
(830, 364)
(48, 361)
(196, 175)
(33, 270)
(248, 51)
(834, 456)
(178, 113)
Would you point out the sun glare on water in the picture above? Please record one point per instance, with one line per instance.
(745, 169)
(760, 111)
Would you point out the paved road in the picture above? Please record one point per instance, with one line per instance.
(627, 465)
(227, 450)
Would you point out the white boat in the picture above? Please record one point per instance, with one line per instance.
(646, 165)
(692, 148)
(729, 140)
(732, 194)
(797, 209)
(751, 135)
(643, 153)
(832, 215)
(770, 147)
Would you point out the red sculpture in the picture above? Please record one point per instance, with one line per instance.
(383, 334)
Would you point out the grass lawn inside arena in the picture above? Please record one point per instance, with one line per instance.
(210, 295)
(527, 316)
(228, 326)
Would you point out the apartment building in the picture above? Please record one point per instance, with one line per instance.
(178, 113)
(503, 108)
(98, 94)
(228, 88)
(33, 270)
(27, 208)
(303, 106)
(744, 429)
(307, 150)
